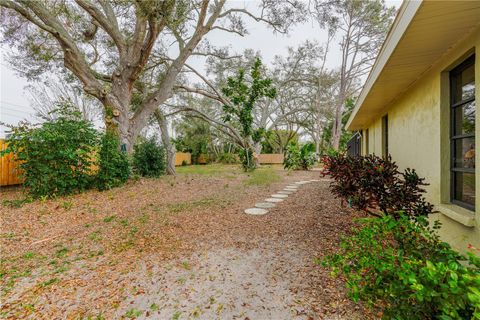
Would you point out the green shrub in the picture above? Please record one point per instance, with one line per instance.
(227, 158)
(402, 264)
(247, 160)
(113, 167)
(149, 158)
(371, 183)
(55, 156)
(299, 158)
(308, 157)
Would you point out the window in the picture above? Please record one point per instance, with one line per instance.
(385, 136)
(462, 134)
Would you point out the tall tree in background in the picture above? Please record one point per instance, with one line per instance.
(121, 51)
(321, 102)
(361, 27)
(294, 76)
(344, 135)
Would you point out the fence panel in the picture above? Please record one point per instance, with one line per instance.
(183, 156)
(9, 174)
(270, 158)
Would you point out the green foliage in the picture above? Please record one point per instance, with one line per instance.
(371, 183)
(194, 136)
(149, 158)
(55, 156)
(16, 203)
(246, 157)
(291, 159)
(276, 140)
(243, 95)
(133, 313)
(114, 169)
(402, 263)
(227, 158)
(299, 157)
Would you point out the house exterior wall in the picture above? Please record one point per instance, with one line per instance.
(418, 137)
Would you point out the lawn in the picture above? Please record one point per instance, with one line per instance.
(106, 254)
(265, 175)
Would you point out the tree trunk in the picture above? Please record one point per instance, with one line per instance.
(317, 145)
(127, 139)
(117, 122)
(257, 147)
(337, 122)
(169, 147)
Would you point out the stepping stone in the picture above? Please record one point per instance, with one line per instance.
(280, 196)
(315, 180)
(292, 187)
(285, 192)
(302, 182)
(290, 191)
(265, 205)
(274, 200)
(256, 211)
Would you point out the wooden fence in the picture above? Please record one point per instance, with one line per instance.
(271, 158)
(9, 174)
(180, 157)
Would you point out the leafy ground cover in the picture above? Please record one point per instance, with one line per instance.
(175, 248)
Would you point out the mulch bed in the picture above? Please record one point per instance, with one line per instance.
(68, 258)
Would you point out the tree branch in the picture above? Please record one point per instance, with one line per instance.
(110, 26)
(74, 60)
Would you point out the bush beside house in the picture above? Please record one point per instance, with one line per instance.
(396, 259)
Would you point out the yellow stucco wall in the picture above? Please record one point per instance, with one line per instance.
(418, 130)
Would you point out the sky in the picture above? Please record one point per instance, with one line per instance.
(15, 105)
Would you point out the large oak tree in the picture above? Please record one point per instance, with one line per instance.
(127, 54)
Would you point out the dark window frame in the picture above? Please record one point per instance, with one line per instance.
(453, 76)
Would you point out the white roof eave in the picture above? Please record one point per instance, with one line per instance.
(404, 17)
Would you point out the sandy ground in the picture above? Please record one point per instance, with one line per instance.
(176, 249)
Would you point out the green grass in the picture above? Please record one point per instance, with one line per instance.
(176, 315)
(48, 282)
(17, 203)
(108, 219)
(61, 253)
(264, 175)
(209, 169)
(133, 313)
